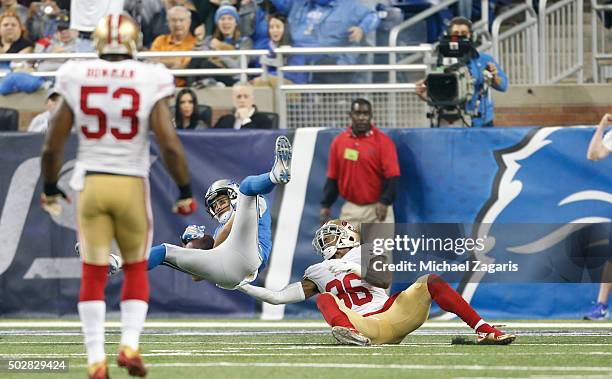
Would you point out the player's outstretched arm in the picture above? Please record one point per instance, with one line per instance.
(597, 150)
(52, 154)
(293, 293)
(173, 155)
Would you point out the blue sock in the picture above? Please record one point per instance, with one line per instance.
(156, 256)
(256, 185)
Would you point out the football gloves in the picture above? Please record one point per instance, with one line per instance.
(192, 232)
(337, 266)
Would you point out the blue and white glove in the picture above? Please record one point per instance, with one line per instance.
(193, 232)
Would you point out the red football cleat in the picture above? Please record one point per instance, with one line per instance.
(494, 336)
(98, 370)
(132, 361)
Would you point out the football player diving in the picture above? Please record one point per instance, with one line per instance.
(359, 311)
(241, 244)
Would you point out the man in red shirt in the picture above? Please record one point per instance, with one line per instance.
(362, 168)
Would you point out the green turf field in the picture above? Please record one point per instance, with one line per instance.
(307, 350)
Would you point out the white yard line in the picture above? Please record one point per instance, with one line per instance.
(344, 366)
(297, 325)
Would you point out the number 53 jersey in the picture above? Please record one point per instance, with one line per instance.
(356, 294)
(112, 104)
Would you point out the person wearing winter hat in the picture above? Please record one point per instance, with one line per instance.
(225, 37)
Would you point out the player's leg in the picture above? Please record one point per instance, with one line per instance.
(133, 229)
(450, 301)
(600, 309)
(95, 234)
(279, 174)
(349, 327)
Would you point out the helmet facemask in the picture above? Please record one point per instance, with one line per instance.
(334, 235)
(218, 191)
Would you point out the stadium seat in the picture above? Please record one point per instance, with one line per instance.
(205, 114)
(9, 119)
(273, 117)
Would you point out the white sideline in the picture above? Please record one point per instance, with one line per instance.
(297, 325)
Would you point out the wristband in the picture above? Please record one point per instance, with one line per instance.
(50, 189)
(185, 191)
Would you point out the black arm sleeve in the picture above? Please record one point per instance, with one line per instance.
(389, 190)
(330, 193)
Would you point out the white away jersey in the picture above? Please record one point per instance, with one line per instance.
(607, 140)
(357, 294)
(112, 102)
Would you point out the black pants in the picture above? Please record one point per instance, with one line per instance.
(205, 63)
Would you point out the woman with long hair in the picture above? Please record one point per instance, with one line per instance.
(12, 37)
(280, 36)
(186, 111)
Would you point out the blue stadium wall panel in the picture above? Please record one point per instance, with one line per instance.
(448, 175)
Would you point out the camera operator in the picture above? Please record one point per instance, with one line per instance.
(485, 72)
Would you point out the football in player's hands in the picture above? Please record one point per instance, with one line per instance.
(204, 243)
(193, 232)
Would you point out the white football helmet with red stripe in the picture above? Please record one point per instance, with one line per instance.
(117, 34)
(334, 235)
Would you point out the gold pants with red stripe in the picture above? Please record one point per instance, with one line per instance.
(114, 207)
(407, 313)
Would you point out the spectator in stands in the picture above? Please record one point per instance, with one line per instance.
(254, 16)
(43, 18)
(226, 37)
(363, 168)
(12, 39)
(40, 123)
(179, 39)
(65, 40)
(207, 9)
(13, 7)
(85, 14)
(327, 23)
(279, 36)
(245, 114)
(186, 111)
(157, 23)
(478, 65)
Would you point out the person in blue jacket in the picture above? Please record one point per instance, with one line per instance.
(482, 67)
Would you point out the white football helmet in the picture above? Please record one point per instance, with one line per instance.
(334, 235)
(222, 187)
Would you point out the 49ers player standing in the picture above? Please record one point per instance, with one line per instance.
(359, 310)
(113, 102)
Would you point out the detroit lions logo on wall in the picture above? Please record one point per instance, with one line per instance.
(550, 208)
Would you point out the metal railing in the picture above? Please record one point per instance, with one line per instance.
(516, 49)
(561, 40)
(601, 43)
(326, 105)
(243, 55)
(309, 104)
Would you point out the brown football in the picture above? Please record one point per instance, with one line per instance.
(204, 243)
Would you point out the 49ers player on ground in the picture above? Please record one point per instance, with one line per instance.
(113, 102)
(359, 311)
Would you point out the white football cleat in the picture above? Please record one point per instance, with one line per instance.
(348, 336)
(281, 171)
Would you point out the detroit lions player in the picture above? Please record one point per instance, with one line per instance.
(243, 239)
(359, 310)
(599, 148)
